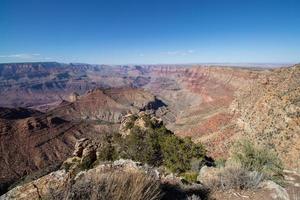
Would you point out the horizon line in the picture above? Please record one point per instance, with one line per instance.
(187, 63)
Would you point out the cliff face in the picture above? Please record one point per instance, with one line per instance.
(218, 105)
(29, 143)
(268, 111)
(199, 99)
(199, 96)
(105, 105)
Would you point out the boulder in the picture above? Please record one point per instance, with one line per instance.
(277, 192)
(207, 174)
(79, 146)
(42, 188)
(73, 97)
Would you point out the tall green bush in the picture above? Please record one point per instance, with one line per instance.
(158, 146)
(143, 146)
(178, 153)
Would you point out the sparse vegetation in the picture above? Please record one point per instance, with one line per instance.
(69, 163)
(248, 166)
(236, 177)
(35, 175)
(259, 159)
(295, 194)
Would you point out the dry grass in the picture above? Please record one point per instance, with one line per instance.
(117, 185)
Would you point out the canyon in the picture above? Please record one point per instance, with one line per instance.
(46, 107)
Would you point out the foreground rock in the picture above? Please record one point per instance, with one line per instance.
(66, 185)
(38, 189)
(82, 177)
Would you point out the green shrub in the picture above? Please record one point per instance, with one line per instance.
(107, 152)
(66, 166)
(70, 162)
(158, 146)
(255, 158)
(178, 153)
(190, 176)
(87, 163)
(155, 146)
(143, 146)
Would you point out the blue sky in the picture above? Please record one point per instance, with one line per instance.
(150, 31)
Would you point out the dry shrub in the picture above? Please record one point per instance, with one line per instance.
(117, 185)
(235, 177)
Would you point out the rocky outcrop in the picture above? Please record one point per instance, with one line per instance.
(74, 96)
(55, 185)
(106, 105)
(84, 155)
(41, 188)
(142, 120)
(276, 191)
(78, 183)
(207, 174)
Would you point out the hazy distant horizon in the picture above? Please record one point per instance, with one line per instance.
(253, 64)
